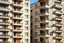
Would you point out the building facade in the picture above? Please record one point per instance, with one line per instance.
(14, 21)
(47, 21)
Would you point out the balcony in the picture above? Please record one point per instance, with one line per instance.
(44, 14)
(17, 18)
(59, 1)
(47, 28)
(4, 36)
(58, 6)
(5, 9)
(4, 29)
(4, 16)
(43, 0)
(4, 2)
(58, 30)
(58, 37)
(4, 23)
(44, 6)
(59, 42)
(17, 11)
(4, 42)
(44, 35)
(17, 4)
(58, 18)
(44, 21)
(17, 24)
(18, 30)
(44, 42)
(58, 12)
(17, 36)
(58, 24)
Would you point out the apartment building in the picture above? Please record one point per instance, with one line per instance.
(14, 21)
(47, 21)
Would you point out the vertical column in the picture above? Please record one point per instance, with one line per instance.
(10, 21)
(51, 3)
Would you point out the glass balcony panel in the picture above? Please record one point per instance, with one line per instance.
(63, 27)
(63, 20)
(63, 32)
(62, 38)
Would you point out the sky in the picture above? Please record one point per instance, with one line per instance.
(33, 1)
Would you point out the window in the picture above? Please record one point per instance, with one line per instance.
(36, 34)
(1, 33)
(36, 12)
(36, 6)
(36, 26)
(26, 4)
(26, 16)
(36, 40)
(26, 27)
(26, 34)
(36, 19)
(1, 40)
(26, 10)
(26, 40)
(26, 22)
